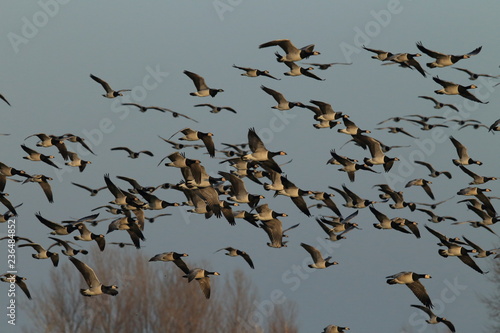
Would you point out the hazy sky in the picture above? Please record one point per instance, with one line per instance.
(49, 48)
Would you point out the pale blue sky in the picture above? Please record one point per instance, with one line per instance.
(45, 76)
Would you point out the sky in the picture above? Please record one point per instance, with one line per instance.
(49, 49)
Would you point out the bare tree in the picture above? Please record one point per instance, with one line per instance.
(152, 298)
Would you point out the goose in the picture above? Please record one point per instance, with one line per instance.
(143, 109)
(456, 250)
(42, 253)
(434, 173)
(283, 104)
(76, 161)
(385, 222)
(33, 155)
(42, 180)
(487, 219)
(413, 226)
(217, 109)
(232, 252)
(326, 110)
(4, 99)
(239, 192)
(326, 198)
(175, 257)
(110, 93)
(477, 179)
(260, 152)
(319, 261)
(178, 160)
(51, 140)
(450, 88)
(433, 319)
(76, 139)
(439, 105)
(394, 119)
(397, 197)
(154, 202)
(252, 72)
(86, 235)
(396, 130)
(202, 90)
(412, 281)
(296, 194)
(154, 218)
(202, 276)
(7, 203)
(7, 216)
(326, 66)
(474, 76)
(463, 155)
(443, 60)
(122, 197)
(247, 216)
(480, 252)
(426, 126)
(425, 185)
(381, 55)
(264, 213)
(122, 244)
(7, 171)
(68, 250)
(292, 52)
(494, 127)
(377, 155)
(193, 135)
(93, 191)
(335, 329)
(351, 127)
(340, 228)
(95, 286)
(132, 154)
(407, 60)
(475, 126)
(58, 229)
(110, 209)
(136, 186)
(296, 70)
(358, 202)
(436, 218)
(130, 225)
(19, 280)
(274, 230)
(444, 238)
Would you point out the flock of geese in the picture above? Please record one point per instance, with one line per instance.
(216, 194)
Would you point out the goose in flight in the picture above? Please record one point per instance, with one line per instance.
(292, 52)
(433, 319)
(443, 60)
(145, 108)
(450, 88)
(252, 72)
(95, 286)
(412, 281)
(110, 93)
(202, 90)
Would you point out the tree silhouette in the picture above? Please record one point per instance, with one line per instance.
(492, 301)
(153, 297)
